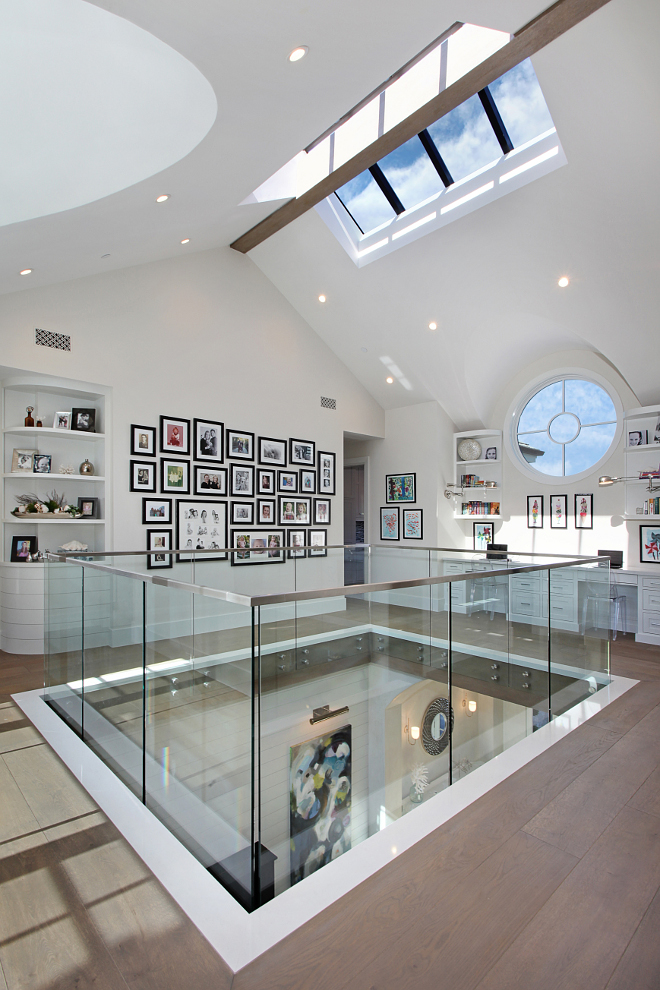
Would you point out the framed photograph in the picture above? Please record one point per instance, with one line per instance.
(242, 513)
(584, 511)
(21, 547)
(242, 480)
(318, 543)
(302, 452)
(649, 545)
(535, 512)
(295, 511)
(22, 461)
(41, 463)
(638, 438)
(389, 523)
(412, 524)
(264, 546)
(174, 476)
(160, 540)
(558, 511)
(272, 452)
(307, 481)
(174, 436)
(89, 507)
(62, 420)
(287, 481)
(265, 482)
(209, 481)
(266, 511)
(240, 445)
(326, 475)
(296, 541)
(83, 420)
(483, 534)
(208, 440)
(322, 514)
(143, 476)
(400, 488)
(200, 526)
(157, 511)
(143, 441)
(491, 454)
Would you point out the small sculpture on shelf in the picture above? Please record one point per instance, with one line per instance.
(66, 468)
(29, 420)
(50, 505)
(87, 467)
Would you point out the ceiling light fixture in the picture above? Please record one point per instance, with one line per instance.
(321, 298)
(433, 325)
(390, 381)
(163, 198)
(298, 53)
(26, 271)
(186, 240)
(563, 282)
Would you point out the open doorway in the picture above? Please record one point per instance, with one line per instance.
(354, 524)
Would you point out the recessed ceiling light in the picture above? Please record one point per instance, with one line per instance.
(433, 325)
(390, 381)
(186, 240)
(298, 53)
(563, 282)
(321, 298)
(26, 271)
(163, 198)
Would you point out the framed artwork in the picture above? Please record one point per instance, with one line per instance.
(242, 480)
(272, 452)
(296, 541)
(318, 543)
(400, 488)
(21, 547)
(294, 511)
(265, 482)
(242, 513)
(22, 461)
(62, 421)
(638, 438)
(558, 511)
(208, 440)
(209, 481)
(302, 452)
(584, 512)
(83, 420)
(265, 511)
(160, 540)
(174, 476)
(307, 481)
(483, 534)
(535, 512)
(263, 546)
(322, 511)
(240, 445)
(200, 526)
(157, 510)
(491, 454)
(649, 545)
(143, 440)
(287, 481)
(89, 507)
(326, 475)
(412, 524)
(174, 436)
(41, 463)
(389, 523)
(142, 476)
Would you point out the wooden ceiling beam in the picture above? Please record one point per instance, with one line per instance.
(535, 35)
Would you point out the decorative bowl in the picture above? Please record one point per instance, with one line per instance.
(469, 450)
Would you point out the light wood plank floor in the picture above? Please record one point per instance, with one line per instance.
(551, 879)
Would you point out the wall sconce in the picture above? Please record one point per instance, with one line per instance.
(412, 731)
(469, 706)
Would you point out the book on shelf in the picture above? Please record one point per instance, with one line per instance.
(480, 508)
(651, 507)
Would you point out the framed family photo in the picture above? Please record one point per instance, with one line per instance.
(240, 445)
(296, 541)
(157, 510)
(208, 440)
(400, 487)
(535, 512)
(159, 540)
(62, 420)
(41, 463)
(558, 511)
(83, 420)
(294, 511)
(266, 511)
(322, 511)
(483, 534)
(389, 523)
(242, 513)
(22, 461)
(89, 507)
(22, 547)
(584, 512)
(287, 481)
(265, 482)
(143, 441)
(174, 436)
(209, 481)
(649, 544)
(318, 543)
(326, 475)
(412, 524)
(272, 452)
(174, 476)
(201, 526)
(242, 480)
(264, 546)
(302, 452)
(307, 481)
(142, 476)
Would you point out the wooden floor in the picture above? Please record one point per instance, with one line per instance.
(552, 879)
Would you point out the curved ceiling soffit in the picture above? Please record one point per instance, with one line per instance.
(90, 104)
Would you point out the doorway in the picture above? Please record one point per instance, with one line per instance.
(354, 524)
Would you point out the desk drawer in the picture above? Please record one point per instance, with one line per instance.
(651, 601)
(651, 584)
(559, 586)
(525, 583)
(651, 623)
(525, 603)
(456, 567)
(561, 607)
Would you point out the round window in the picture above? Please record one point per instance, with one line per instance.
(566, 427)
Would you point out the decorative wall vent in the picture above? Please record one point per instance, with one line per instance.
(327, 403)
(45, 338)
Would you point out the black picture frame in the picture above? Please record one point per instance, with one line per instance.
(157, 520)
(136, 484)
(300, 538)
(237, 480)
(283, 513)
(311, 533)
(83, 420)
(386, 529)
(272, 446)
(554, 524)
(407, 481)
(138, 435)
(181, 448)
(486, 525)
(326, 481)
(240, 445)
(237, 507)
(173, 462)
(404, 513)
(190, 513)
(42, 463)
(210, 450)
(83, 501)
(322, 518)
(281, 475)
(18, 543)
(216, 487)
(302, 452)
(261, 504)
(307, 481)
(154, 562)
(535, 515)
(584, 518)
(649, 552)
(244, 556)
(266, 482)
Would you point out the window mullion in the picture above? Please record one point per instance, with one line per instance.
(496, 122)
(387, 190)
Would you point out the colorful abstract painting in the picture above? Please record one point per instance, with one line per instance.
(649, 544)
(320, 801)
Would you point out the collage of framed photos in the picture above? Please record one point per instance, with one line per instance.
(235, 480)
(395, 520)
(583, 511)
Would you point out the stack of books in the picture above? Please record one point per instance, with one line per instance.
(480, 508)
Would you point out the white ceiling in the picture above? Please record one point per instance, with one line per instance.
(489, 280)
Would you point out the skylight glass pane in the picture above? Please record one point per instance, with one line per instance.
(588, 448)
(544, 455)
(411, 174)
(365, 202)
(541, 408)
(465, 139)
(589, 401)
(520, 101)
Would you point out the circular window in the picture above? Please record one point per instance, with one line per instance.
(566, 427)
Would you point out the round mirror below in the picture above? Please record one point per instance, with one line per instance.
(438, 726)
(438, 717)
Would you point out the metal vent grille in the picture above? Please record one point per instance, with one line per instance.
(327, 403)
(45, 338)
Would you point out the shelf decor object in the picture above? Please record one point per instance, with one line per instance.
(469, 449)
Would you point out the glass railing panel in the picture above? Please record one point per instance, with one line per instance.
(398, 563)
(64, 674)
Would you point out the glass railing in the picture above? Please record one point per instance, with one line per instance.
(273, 717)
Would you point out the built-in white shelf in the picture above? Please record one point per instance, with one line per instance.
(482, 460)
(642, 446)
(65, 477)
(459, 515)
(33, 520)
(24, 431)
(640, 517)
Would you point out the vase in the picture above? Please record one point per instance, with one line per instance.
(29, 421)
(415, 796)
(86, 467)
